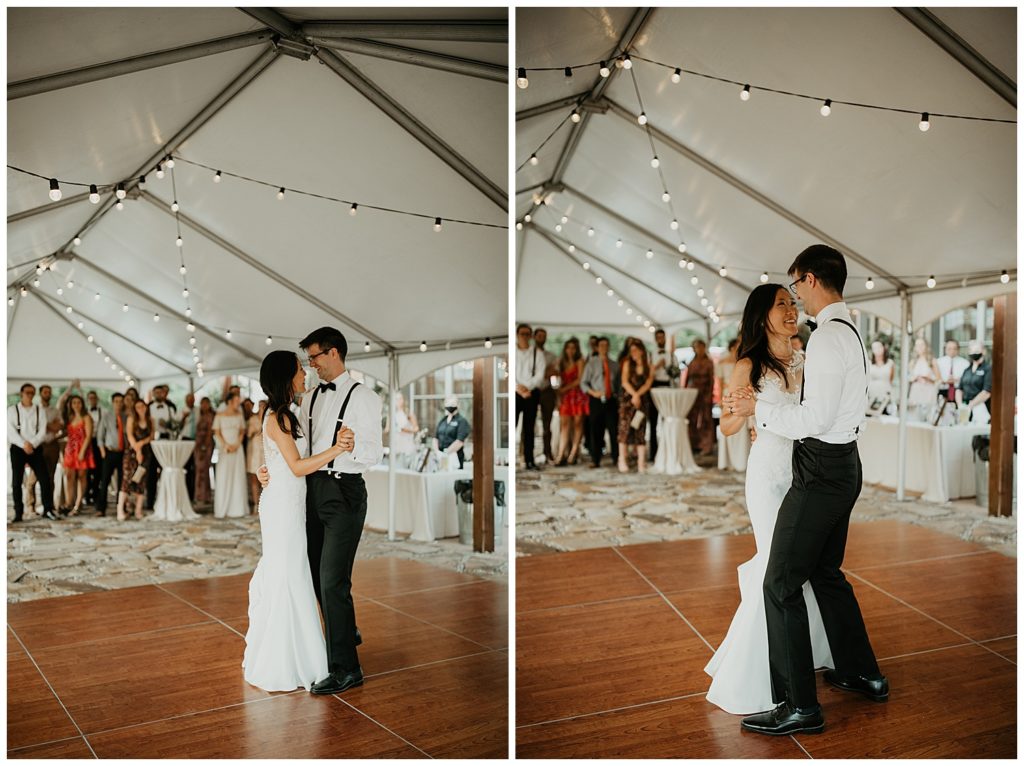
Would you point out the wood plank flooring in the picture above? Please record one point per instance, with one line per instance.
(611, 644)
(155, 672)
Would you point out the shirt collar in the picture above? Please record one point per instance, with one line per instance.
(832, 311)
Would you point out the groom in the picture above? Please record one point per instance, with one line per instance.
(810, 532)
(336, 495)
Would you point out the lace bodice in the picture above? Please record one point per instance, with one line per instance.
(280, 473)
(770, 462)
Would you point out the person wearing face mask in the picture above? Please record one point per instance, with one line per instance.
(453, 430)
(975, 387)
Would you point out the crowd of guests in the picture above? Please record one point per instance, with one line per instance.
(92, 442)
(599, 396)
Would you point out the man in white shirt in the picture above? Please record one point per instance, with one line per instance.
(162, 411)
(809, 541)
(50, 446)
(336, 495)
(530, 368)
(662, 357)
(951, 367)
(26, 429)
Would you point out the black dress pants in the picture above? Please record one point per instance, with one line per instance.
(547, 410)
(604, 417)
(527, 407)
(92, 480)
(112, 463)
(808, 544)
(19, 459)
(152, 478)
(652, 418)
(335, 512)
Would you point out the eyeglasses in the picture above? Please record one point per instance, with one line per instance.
(792, 285)
(312, 358)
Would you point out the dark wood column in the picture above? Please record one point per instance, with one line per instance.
(483, 455)
(1004, 391)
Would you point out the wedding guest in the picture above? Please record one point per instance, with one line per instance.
(110, 435)
(204, 450)
(130, 397)
(254, 452)
(634, 400)
(78, 458)
(92, 401)
(453, 430)
(701, 376)
(573, 403)
(951, 368)
(547, 396)
(600, 382)
(228, 430)
(592, 346)
(924, 379)
(50, 449)
(530, 367)
(975, 387)
(163, 411)
(189, 421)
(881, 373)
(402, 441)
(735, 447)
(26, 430)
(662, 358)
(139, 454)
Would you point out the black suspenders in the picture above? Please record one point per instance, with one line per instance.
(17, 415)
(864, 359)
(337, 424)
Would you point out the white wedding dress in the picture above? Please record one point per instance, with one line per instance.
(741, 680)
(284, 646)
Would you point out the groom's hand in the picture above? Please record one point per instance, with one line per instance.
(347, 439)
(264, 476)
(738, 405)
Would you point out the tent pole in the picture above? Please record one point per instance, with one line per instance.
(392, 421)
(906, 318)
(475, 31)
(427, 59)
(69, 200)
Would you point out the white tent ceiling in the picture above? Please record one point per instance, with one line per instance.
(256, 265)
(754, 182)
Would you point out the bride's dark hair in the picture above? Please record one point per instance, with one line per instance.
(276, 375)
(754, 334)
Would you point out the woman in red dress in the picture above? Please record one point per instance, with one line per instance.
(78, 457)
(574, 403)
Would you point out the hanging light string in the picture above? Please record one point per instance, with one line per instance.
(352, 205)
(749, 87)
(533, 158)
(180, 244)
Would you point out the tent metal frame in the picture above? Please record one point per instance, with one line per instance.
(50, 206)
(469, 31)
(552, 106)
(469, 67)
(64, 317)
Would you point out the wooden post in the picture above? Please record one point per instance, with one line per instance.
(483, 454)
(1004, 391)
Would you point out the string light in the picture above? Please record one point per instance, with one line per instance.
(521, 79)
(527, 217)
(572, 249)
(693, 280)
(604, 70)
(366, 347)
(35, 282)
(650, 254)
(870, 284)
(558, 227)
(217, 177)
(179, 241)
(190, 327)
(487, 343)
(700, 292)
(269, 340)
(610, 293)
(618, 243)
(665, 196)
(124, 308)
(674, 225)
(159, 171)
(69, 309)
(682, 263)
(642, 118)
(519, 225)
(931, 282)
(280, 193)
(764, 277)
(723, 272)
(182, 270)
(119, 206)
(677, 75)
(119, 192)
(575, 116)
(924, 124)
(96, 297)
(437, 224)
(564, 219)
(10, 301)
(534, 160)
(627, 62)
(156, 317)
(55, 194)
(1004, 277)
(60, 291)
(77, 241)
(826, 108)
(590, 231)
(71, 284)
(423, 346)
(681, 247)
(568, 73)
(745, 93)
(586, 265)
(599, 280)
(655, 161)
(227, 334)
(24, 291)
(691, 265)
(352, 210)
(174, 206)
(142, 182)
(169, 161)
(94, 194)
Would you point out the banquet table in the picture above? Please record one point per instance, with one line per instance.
(674, 453)
(940, 461)
(424, 502)
(172, 503)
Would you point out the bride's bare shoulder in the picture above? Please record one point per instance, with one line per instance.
(741, 373)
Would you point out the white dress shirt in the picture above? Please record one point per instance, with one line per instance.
(52, 418)
(530, 364)
(32, 427)
(661, 373)
(162, 414)
(835, 386)
(363, 416)
(952, 364)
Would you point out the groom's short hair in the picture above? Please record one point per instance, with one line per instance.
(824, 262)
(326, 338)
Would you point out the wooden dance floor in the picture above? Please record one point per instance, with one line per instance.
(611, 644)
(155, 672)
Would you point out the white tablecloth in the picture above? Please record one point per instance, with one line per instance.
(940, 462)
(172, 503)
(734, 450)
(674, 453)
(424, 502)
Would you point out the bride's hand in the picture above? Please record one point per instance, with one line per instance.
(263, 475)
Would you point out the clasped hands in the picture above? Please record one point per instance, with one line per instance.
(740, 402)
(345, 442)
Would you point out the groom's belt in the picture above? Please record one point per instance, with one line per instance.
(340, 475)
(817, 445)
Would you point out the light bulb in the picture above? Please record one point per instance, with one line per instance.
(170, 162)
(192, 341)
(677, 75)
(575, 116)
(629, 311)
(182, 270)
(521, 79)
(142, 182)
(352, 210)
(39, 269)
(665, 196)
(119, 205)
(174, 206)
(99, 349)
(156, 317)
(647, 323)
(106, 359)
(691, 265)
(693, 280)
(60, 291)
(423, 346)
(764, 277)
(924, 124)
(682, 263)
(572, 248)
(77, 241)
(565, 219)
(870, 284)
(24, 291)
(674, 225)
(179, 241)
(534, 160)
(609, 292)
(568, 72)
(527, 217)
(69, 309)
(188, 312)
(655, 161)
(1004, 277)
(620, 301)
(586, 265)
(10, 301)
(124, 308)
(715, 319)
(700, 292)
(159, 171)
(35, 283)
(366, 347)
(487, 343)
(745, 93)
(80, 325)
(227, 334)
(280, 193)
(642, 119)
(590, 231)
(190, 327)
(618, 243)
(71, 284)
(96, 297)
(269, 340)
(94, 194)
(89, 338)
(931, 281)
(55, 194)
(681, 247)
(703, 301)
(216, 177)
(627, 62)
(120, 192)
(184, 293)
(558, 227)
(826, 108)
(604, 70)
(519, 225)
(649, 254)
(437, 224)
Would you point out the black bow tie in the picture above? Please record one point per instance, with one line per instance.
(327, 387)
(811, 324)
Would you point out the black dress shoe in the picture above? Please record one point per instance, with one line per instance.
(49, 514)
(16, 519)
(877, 690)
(338, 682)
(785, 720)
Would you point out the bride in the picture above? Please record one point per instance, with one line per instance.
(284, 646)
(741, 680)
